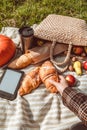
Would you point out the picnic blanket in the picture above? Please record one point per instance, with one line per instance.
(39, 110)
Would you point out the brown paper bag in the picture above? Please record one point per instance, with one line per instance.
(36, 55)
(42, 53)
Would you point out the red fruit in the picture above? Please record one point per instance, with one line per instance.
(77, 50)
(85, 65)
(70, 79)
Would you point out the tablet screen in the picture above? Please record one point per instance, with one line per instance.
(10, 81)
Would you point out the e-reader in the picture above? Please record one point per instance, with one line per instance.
(10, 83)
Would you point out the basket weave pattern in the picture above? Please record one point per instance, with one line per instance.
(63, 29)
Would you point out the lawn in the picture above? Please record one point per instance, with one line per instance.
(19, 13)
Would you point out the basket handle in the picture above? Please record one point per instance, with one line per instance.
(67, 58)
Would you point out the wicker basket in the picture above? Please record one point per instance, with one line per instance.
(62, 29)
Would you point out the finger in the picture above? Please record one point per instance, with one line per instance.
(61, 78)
(54, 83)
(57, 85)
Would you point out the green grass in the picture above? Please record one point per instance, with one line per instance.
(19, 13)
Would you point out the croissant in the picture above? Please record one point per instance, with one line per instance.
(47, 72)
(30, 82)
(21, 62)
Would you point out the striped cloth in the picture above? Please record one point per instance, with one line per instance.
(39, 110)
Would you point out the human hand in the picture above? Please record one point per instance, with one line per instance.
(61, 85)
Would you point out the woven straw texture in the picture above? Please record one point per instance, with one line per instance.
(63, 29)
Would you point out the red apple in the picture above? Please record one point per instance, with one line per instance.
(70, 79)
(78, 50)
(85, 65)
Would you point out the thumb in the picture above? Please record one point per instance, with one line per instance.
(56, 84)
